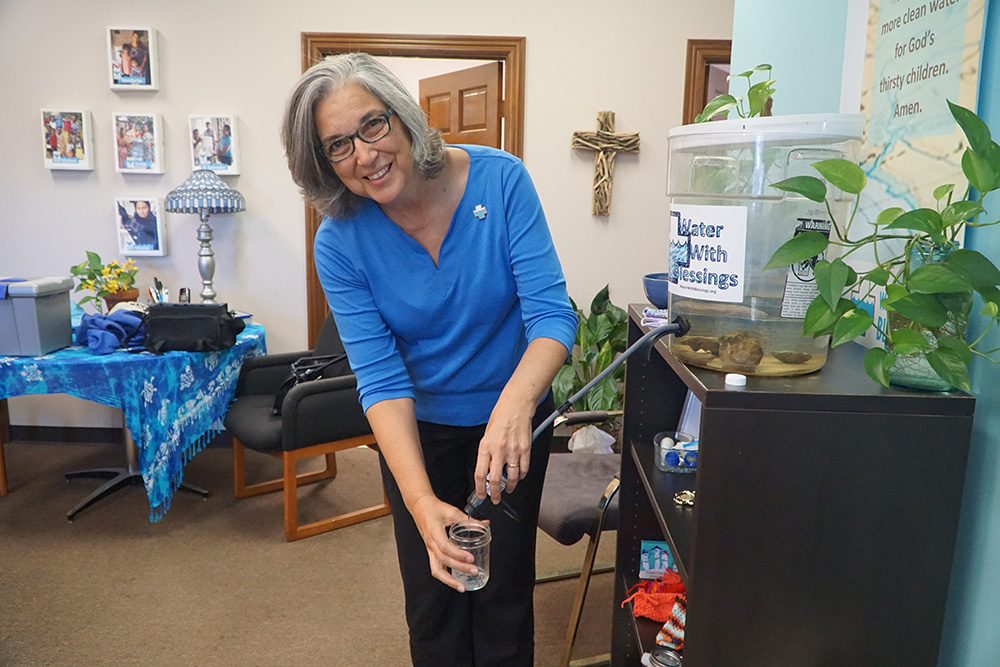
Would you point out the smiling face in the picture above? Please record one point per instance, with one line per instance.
(381, 171)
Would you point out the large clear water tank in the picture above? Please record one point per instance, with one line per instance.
(725, 223)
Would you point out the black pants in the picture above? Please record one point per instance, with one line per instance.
(494, 626)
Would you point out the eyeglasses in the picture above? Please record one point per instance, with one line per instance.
(373, 129)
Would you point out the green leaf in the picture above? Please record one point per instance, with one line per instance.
(604, 395)
(922, 308)
(764, 67)
(758, 95)
(852, 324)
(978, 170)
(980, 271)
(942, 191)
(831, 279)
(809, 187)
(950, 368)
(956, 345)
(93, 259)
(908, 341)
(843, 174)
(820, 319)
(960, 211)
(976, 131)
(600, 302)
(797, 249)
(888, 215)
(565, 384)
(937, 278)
(894, 293)
(878, 275)
(925, 220)
(877, 364)
(721, 104)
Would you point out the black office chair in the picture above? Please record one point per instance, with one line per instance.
(318, 418)
(580, 498)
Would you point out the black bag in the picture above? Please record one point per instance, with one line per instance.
(190, 327)
(305, 369)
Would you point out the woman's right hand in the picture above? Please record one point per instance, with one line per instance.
(433, 517)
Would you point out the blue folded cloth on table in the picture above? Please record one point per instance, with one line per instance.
(103, 334)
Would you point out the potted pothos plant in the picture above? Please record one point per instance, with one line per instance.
(756, 103)
(929, 279)
(600, 338)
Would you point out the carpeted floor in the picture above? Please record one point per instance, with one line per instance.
(214, 582)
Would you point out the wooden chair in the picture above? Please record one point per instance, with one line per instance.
(318, 418)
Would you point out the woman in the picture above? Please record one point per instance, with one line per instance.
(440, 271)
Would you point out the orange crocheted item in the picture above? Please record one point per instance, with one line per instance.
(655, 599)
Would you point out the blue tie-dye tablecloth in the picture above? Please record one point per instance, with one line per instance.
(173, 403)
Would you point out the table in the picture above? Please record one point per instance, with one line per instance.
(173, 404)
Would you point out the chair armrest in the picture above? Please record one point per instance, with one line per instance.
(322, 411)
(264, 374)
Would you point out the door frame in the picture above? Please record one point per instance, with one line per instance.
(509, 50)
(700, 54)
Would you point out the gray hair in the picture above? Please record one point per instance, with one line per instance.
(310, 168)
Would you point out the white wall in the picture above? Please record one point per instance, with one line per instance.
(242, 58)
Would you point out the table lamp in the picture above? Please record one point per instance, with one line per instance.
(205, 193)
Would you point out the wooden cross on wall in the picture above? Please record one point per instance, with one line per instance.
(607, 144)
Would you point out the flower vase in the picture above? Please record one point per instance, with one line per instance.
(113, 299)
(914, 371)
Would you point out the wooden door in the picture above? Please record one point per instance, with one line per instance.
(466, 105)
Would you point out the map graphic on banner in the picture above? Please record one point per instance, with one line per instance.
(919, 54)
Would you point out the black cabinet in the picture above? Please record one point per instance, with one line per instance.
(825, 516)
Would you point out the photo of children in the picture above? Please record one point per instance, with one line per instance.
(213, 143)
(66, 139)
(132, 58)
(137, 143)
(140, 228)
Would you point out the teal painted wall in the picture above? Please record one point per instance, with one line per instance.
(778, 32)
(794, 37)
(972, 626)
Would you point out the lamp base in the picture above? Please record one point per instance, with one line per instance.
(206, 259)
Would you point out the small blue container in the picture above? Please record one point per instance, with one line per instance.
(655, 285)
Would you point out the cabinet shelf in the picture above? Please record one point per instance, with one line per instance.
(660, 487)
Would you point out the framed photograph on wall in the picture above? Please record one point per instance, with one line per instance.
(213, 143)
(132, 59)
(67, 139)
(140, 227)
(138, 141)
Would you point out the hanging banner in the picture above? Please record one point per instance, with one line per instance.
(919, 55)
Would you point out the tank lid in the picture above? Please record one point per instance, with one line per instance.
(848, 125)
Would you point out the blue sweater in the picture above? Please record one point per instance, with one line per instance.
(448, 336)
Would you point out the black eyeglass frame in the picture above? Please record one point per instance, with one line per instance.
(357, 135)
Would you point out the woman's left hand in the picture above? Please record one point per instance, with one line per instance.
(507, 442)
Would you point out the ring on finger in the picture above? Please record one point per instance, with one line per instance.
(512, 466)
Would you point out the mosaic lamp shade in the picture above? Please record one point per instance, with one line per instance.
(205, 193)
